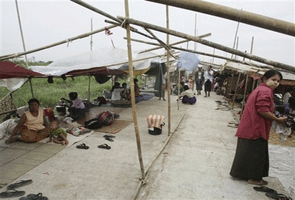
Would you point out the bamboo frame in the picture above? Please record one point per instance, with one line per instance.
(168, 73)
(245, 91)
(233, 104)
(208, 43)
(233, 14)
(134, 114)
(57, 43)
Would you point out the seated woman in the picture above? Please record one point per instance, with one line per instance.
(187, 95)
(31, 127)
(77, 108)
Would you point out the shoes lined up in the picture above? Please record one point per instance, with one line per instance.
(12, 192)
(102, 146)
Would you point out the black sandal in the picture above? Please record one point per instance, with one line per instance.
(265, 189)
(10, 194)
(104, 146)
(19, 184)
(82, 146)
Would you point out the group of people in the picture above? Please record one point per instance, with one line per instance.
(122, 93)
(204, 78)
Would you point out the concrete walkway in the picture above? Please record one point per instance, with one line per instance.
(194, 165)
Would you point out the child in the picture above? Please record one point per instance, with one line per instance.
(58, 134)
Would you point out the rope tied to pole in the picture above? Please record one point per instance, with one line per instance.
(123, 24)
(68, 41)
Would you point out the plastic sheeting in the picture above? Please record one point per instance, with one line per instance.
(12, 84)
(110, 58)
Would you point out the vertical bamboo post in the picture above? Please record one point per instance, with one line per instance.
(132, 91)
(253, 84)
(178, 86)
(91, 42)
(23, 41)
(236, 90)
(89, 87)
(31, 86)
(232, 83)
(168, 74)
(245, 92)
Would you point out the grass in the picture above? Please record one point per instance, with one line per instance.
(50, 94)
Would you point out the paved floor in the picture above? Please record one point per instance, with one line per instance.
(194, 165)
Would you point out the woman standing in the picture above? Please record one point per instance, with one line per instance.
(251, 161)
(31, 127)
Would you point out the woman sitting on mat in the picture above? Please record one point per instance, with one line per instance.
(187, 95)
(251, 161)
(31, 127)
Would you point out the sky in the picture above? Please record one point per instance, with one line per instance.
(48, 21)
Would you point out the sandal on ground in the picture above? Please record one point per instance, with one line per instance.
(82, 146)
(109, 136)
(10, 194)
(277, 196)
(38, 196)
(109, 139)
(19, 184)
(259, 183)
(265, 189)
(104, 146)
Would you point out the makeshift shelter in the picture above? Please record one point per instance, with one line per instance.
(103, 61)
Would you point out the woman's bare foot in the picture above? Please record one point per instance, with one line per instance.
(256, 182)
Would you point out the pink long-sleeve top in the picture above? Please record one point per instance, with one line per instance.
(253, 125)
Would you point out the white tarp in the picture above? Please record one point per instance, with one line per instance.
(113, 58)
(12, 84)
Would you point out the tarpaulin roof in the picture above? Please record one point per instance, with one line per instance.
(101, 61)
(11, 70)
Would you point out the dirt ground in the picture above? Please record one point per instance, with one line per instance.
(274, 139)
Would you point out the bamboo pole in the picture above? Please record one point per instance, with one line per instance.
(134, 115)
(236, 90)
(244, 97)
(168, 73)
(91, 42)
(182, 41)
(235, 38)
(161, 43)
(211, 44)
(233, 14)
(89, 87)
(216, 56)
(57, 43)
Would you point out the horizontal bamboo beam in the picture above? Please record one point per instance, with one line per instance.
(211, 44)
(5, 57)
(215, 56)
(233, 14)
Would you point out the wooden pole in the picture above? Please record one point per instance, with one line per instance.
(237, 85)
(244, 97)
(178, 90)
(91, 42)
(57, 43)
(168, 73)
(89, 87)
(216, 56)
(235, 38)
(183, 41)
(31, 86)
(211, 44)
(233, 14)
(134, 114)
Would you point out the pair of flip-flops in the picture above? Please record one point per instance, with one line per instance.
(11, 192)
(109, 137)
(271, 193)
(82, 146)
(104, 146)
(38, 196)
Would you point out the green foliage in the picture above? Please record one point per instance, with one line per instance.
(50, 94)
